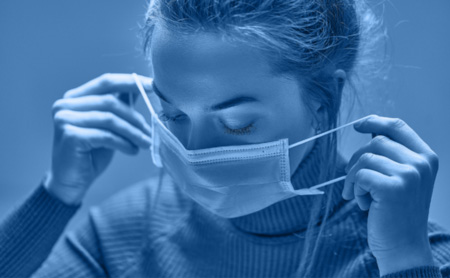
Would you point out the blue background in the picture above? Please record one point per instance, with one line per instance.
(49, 47)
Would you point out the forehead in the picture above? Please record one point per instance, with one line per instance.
(207, 64)
(205, 52)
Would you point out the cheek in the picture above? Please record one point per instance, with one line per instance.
(290, 118)
(299, 127)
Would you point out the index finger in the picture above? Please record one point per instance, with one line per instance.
(396, 129)
(109, 83)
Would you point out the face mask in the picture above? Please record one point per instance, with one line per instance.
(230, 181)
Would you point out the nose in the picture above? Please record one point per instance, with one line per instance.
(197, 133)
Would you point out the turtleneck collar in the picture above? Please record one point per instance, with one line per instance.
(293, 214)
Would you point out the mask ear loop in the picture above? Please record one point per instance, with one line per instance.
(313, 189)
(155, 139)
(144, 96)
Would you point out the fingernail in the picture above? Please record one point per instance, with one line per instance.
(147, 140)
(358, 124)
(148, 128)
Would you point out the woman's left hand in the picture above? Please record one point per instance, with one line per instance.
(393, 177)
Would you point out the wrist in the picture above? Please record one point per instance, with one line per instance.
(69, 196)
(405, 258)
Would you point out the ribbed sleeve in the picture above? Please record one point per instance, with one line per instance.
(418, 272)
(153, 229)
(28, 233)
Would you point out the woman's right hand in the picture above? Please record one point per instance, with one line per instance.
(90, 123)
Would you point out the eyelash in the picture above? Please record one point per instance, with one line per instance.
(238, 131)
(165, 118)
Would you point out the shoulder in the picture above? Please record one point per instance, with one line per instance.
(124, 222)
(130, 210)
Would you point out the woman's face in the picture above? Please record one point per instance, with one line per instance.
(214, 93)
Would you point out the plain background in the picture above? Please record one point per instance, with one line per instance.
(48, 47)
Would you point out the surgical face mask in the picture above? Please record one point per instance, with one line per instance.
(230, 181)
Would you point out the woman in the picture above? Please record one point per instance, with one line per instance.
(232, 80)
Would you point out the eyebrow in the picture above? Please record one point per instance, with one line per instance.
(158, 92)
(223, 105)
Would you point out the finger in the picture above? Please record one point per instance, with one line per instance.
(106, 103)
(374, 183)
(371, 161)
(377, 163)
(362, 198)
(108, 83)
(106, 121)
(396, 129)
(384, 146)
(97, 138)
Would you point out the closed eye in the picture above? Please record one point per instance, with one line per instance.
(233, 131)
(239, 131)
(166, 118)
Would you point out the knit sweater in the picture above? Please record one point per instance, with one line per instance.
(152, 229)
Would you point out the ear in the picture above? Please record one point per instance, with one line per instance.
(339, 78)
(318, 115)
(336, 84)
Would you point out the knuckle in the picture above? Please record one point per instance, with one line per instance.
(372, 117)
(433, 159)
(59, 117)
(67, 93)
(105, 79)
(412, 174)
(378, 140)
(422, 163)
(366, 157)
(139, 117)
(397, 123)
(108, 118)
(57, 105)
(359, 176)
(396, 181)
(69, 133)
(110, 101)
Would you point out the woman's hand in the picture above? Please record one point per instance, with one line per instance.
(89, 124)
(393, 177)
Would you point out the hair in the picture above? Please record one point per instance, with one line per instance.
(304, 39)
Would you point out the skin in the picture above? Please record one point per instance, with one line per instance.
(392, 176)
(195, 73)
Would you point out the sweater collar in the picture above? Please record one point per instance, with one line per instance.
(293, 214)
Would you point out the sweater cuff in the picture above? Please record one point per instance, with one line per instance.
(28, 234)
(418, 272)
